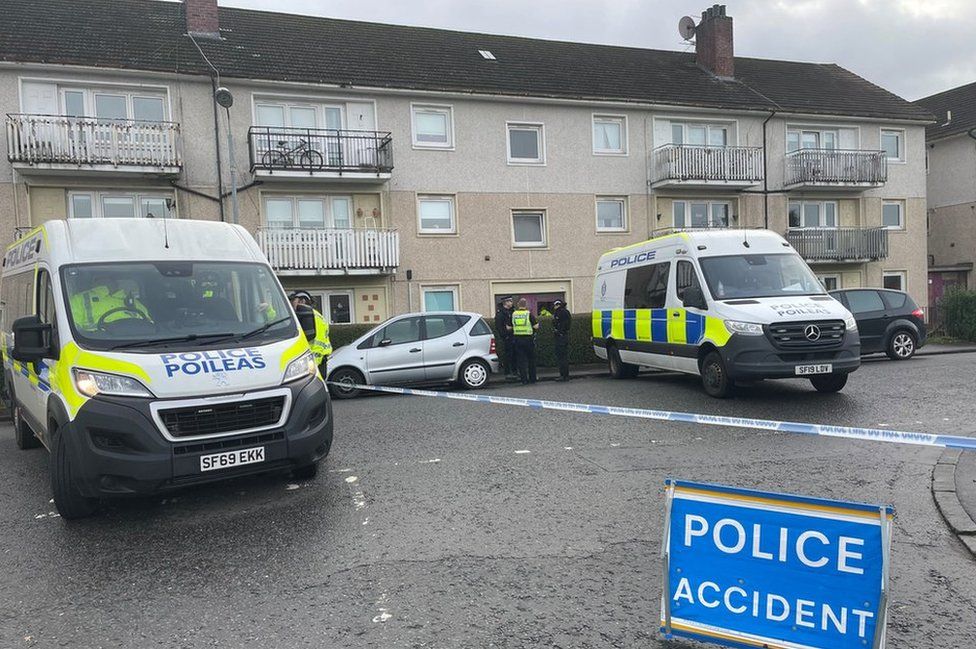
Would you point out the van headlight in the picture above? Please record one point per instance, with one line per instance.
(92, 384)
(850, 323)
(299, 368)
(744, 328)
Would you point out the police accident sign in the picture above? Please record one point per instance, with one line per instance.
(753, 569)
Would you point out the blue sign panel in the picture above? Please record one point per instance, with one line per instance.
(754, 569)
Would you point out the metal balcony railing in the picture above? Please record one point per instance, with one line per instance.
(59, 139)
(840, 244)
(317, 250)
(836, 167)
(315, 150)
(726, 164)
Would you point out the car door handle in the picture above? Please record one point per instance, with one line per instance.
(459, 344)
(415, 350)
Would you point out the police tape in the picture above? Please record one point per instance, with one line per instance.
(823, 430)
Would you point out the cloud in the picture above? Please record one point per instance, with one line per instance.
(911, 47)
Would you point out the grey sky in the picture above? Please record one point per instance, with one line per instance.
(912, 47)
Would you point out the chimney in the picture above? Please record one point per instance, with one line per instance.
(713, 42)
(201, 18)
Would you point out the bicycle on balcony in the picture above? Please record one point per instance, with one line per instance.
(284, 157)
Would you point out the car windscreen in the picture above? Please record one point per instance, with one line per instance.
(755, 276)
(135, 306)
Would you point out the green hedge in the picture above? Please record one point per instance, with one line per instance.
(959, 314)
(580, 339)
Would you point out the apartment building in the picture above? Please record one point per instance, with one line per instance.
(951, 165)
(388, 168)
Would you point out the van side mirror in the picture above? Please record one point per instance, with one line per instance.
(32, 340)
(306, 320)
(694, 297)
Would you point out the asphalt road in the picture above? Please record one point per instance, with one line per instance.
(438, 523)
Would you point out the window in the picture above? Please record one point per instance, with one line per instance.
(437, 326)
(611, 214)
(88, 205)
(864, 301)
(278, 114)
(893, 215)
(526, 144)
(893, 144)
(340, 308)
(402, 331)
(609, 134)
(830, 282)
(894, 280)
(811, 139)
(308, 212)
(529, 229)
(481, 328)
(693, 134)
(114, 104)
(647, 286)
(440, 298)
(701, 214)
(685, 278)
(813, 214)
(433, 126)
(436, 214)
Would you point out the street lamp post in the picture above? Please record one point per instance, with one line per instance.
(224, 98)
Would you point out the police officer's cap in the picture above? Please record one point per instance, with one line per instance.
(558, 303)
(507, 298)
(300, 295)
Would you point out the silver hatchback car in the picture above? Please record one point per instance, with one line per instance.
(433, 347)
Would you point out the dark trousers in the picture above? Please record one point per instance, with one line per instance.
(562, 356)
(508, 358)
(525, 351)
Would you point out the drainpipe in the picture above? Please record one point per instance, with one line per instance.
(766, 174)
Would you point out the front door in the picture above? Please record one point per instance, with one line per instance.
(397, 354)
(444, 342)
(869, 311)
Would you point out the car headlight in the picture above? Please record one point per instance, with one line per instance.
(850, 323)
(91, 384)
(299, 368)
(744, 328)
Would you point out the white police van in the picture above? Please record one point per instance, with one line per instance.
(151, 354)
(731, 305)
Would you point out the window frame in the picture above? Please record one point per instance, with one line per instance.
(687, 202)
(820, 131)
(902, 137)
(834, 276)
(454, 289)
(96, 197)
(902, 276)
(451, 199)
(327, 213)
(901, 214)
(708, 126)
(127, 91)
(324, 296)
(821, 214)
(625, 220)
(445, 109)
(543, 221)
(596, 118)
(540, 129)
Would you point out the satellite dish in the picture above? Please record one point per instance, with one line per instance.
(223, 97)
(686, 27)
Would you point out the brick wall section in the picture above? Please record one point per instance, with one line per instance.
(201, 17)
(713, 42)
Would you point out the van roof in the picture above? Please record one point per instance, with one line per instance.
(94, 240)
(716, 242)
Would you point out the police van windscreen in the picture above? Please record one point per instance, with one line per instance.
(754, 276)
(174, 304)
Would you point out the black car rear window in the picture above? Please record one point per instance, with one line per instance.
(481, 328)
(896, 300)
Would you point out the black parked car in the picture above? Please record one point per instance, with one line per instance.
(888, 321)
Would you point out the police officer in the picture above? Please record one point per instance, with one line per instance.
(561, 323)
(524, 326)
(105, 302)
(321, 345)
(503, 325)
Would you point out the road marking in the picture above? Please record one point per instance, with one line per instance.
(799, 428)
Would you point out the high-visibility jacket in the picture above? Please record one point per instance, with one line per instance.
(522, 322)
(321, 345)
(88, 307)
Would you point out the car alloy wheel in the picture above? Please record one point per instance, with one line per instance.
(903, 345)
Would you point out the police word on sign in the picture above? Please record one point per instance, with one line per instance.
(212, 361)
(752, 569)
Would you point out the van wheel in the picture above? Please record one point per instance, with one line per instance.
(901, 346)
(829, 382)
(342, 380)
(715, 378)
(473, 375)
(26, 439)
(70, 503)
(618, 368)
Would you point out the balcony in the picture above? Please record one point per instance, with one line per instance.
(700, 167)
(840, 244)
(57, 144)
(317, 154)
(300, 251)
(835, 169)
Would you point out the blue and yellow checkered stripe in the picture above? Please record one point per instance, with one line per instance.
(675, 326)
